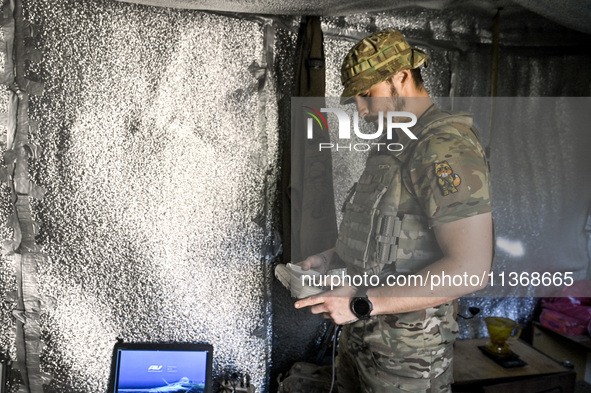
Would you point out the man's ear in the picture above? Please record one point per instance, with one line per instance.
(399, 79)
(403, 76)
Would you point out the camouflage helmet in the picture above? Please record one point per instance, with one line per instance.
(374, 59)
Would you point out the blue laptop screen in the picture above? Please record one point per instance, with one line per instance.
(161, 371)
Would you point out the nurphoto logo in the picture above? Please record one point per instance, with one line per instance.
(393, 121)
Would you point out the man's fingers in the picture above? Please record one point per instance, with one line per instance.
(309, 301)
(305, 265)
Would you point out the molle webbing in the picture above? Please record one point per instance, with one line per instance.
(387, 235)
(370, 227)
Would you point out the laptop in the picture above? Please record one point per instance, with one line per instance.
(155, 368)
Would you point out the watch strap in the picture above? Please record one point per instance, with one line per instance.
(361, 292)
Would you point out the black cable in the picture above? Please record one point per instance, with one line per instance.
(334, 351)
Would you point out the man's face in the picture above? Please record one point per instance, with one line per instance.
(382, 97)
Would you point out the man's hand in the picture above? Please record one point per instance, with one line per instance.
(319, 262)
(314, 262)
(333, 304)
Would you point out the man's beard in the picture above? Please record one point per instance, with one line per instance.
(398, 102)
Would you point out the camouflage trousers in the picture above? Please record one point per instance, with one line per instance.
(410, 352)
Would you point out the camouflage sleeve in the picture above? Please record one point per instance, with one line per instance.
(449, 175)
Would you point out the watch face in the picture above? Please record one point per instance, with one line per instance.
(361, 307)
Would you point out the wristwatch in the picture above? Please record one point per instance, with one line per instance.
(361, 306)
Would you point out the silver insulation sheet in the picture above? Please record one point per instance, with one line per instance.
(8, 284)
(7, 270)
(572, 14)
(157, 145)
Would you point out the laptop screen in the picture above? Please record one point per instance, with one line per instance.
(155, 368)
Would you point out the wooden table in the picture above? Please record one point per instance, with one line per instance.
(560, 347)
(475, 372)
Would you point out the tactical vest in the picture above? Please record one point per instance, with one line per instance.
(373, 233)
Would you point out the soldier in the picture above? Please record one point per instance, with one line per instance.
(424, 211)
